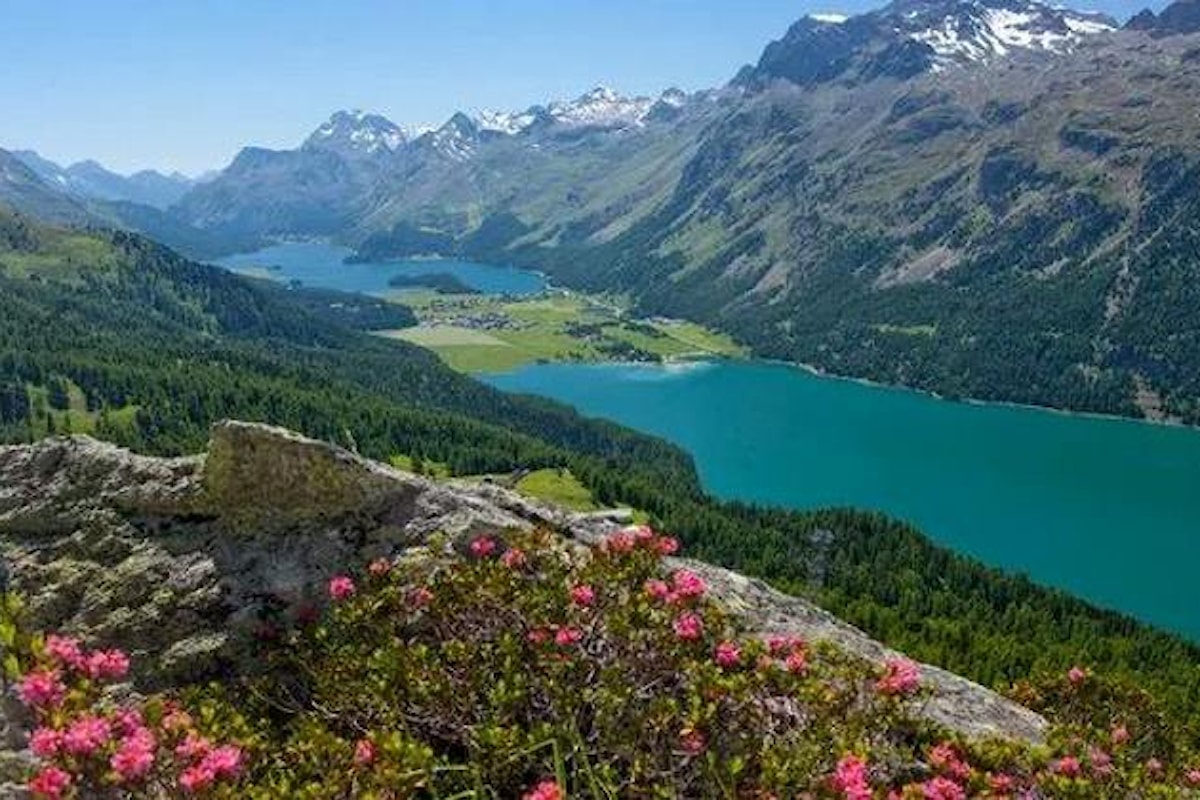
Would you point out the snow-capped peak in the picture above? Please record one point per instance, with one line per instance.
(979, 30)
(456, 140)
(358, 132)
(829, 18)
(508, 123)
(602, 107)
(675, 98)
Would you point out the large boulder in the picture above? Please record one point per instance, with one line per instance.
(179, 560)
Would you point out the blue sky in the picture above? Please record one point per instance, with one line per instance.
(183, 84)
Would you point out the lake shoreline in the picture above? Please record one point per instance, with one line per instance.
(817, 372)
(1099, 511)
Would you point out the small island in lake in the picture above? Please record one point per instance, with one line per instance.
(440, 282)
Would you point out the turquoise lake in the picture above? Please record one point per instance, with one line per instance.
(321, 265)
(1107, 509)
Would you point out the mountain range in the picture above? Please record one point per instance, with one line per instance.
(90, 180)
(993, 198)
(984, 198)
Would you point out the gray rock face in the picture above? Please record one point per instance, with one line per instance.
(173, 559)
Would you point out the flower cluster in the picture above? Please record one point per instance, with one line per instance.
(903, 678)
(517, 657)
(87, 745)
(505, 651)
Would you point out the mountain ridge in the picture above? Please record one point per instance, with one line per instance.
(90, 180)
(999, 194)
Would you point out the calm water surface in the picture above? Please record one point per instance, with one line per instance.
(1108, 509)
(321, 265)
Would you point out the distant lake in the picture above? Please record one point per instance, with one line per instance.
(1107, 509)
(321, 265)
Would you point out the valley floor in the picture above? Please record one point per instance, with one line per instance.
(478, 333)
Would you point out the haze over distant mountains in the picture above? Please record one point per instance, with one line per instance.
(90, 180)
(989, 198)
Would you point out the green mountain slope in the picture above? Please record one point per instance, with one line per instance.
(1015, 225)
(1023, 236)
(109, 333)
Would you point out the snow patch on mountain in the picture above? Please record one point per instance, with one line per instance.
(600, 108)
(359, 131)
(508, 123)
(829, 18)
(456, 140)
(977, 31)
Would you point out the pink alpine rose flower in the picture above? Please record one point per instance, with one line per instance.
(86, 736)
(364, 753)
(903, 677)
(342, 588)
(1068, 767)
(850, 778)
(620, 542)
(483, 546)
(50, 784)
(942, 788)
(1100, 762)
(692, 741)
(656, 589)
(641, 533)
(583, 595)
(727, 654)
(1076, 676)
(1192, 776)
(546, 790)
(688, 584)
(194, 747)
(947, 760)
(796, 662)
(668, 545)
(134, 759)
(109, 665)
(1119, 735)
(65, 650)
(380, 567)
(513, 558)
(566, 636)
(420, 597)
(129, 721)
(42, 689)
(196, 779)
(688, 627)
(223, 762)
(45, 743)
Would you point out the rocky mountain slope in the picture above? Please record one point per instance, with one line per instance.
(90, 180)
(20, 187)
(175, 559)
(991, 198)
(86, 194)
(360, 172)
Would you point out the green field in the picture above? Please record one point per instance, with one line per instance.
(420, 466)
(63, 256)
(557, 486)
(70, 414)
(487, 334)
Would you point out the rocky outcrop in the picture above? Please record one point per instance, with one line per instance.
(177, 560)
